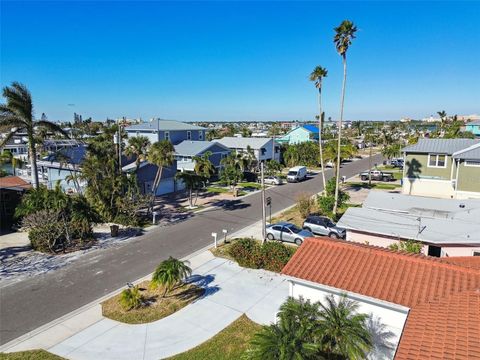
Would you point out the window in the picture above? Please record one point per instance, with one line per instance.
(189, 135)
(200, 135)
(167, 135)
(437, 160)
(472, 163)
(476, 253)
(263, 151)
(277, 228)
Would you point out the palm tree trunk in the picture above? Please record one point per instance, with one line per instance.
(155, 185)
(33, 160)
(337, 177)
(320, 135)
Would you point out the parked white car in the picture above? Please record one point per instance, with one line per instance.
(272, 180)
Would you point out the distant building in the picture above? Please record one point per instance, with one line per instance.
(173, 131)
(467, 118)
(300, 134)
(444, 168)
(263, 148)
(431, 119)
(473, 127)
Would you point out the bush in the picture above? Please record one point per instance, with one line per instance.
(276, 255)
(271, 256)
(411, 246)
(46, 231)
(131, 298)
(305, 204)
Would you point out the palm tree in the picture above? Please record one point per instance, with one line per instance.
(138, 147)
(17, 115)
(203, 165)
(192, 181)
(169, 273)
(342, 330)
(160, 154)
(344, 34)
(317, 76)
(291, 337)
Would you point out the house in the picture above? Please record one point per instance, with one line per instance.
(12, 189)
(173, 131)
(59, 167)
(473, 127)
(419, 307)
(445, 227)
(445, 168)
(146, 174)
(263, 148)
(300, 134)
(188, 149)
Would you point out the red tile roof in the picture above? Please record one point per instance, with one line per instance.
(415, 281)
(466, 261)
(12, 182)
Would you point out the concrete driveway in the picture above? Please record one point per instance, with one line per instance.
(230, 292)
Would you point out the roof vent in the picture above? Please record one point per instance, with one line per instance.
(462, 206)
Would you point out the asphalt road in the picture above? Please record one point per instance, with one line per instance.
(28, 304)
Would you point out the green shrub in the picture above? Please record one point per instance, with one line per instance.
(45, 230)
(410, 246)
(271, 256)
(276, 255)
(131, 298)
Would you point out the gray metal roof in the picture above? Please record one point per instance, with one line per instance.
(470, 153)
(440, 146)
(192, 148)
(405, 226)
(442, 221)
(163, 125)
(243, 142)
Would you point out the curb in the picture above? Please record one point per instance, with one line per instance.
(5, 347)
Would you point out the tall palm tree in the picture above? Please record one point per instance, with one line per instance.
(169, 273)
(203, 165)
(317, 76)
(17, 115)
(138, 147)
(160, 154)
(344, 34)
(342, 330)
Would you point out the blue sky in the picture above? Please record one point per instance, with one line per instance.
(241, 60)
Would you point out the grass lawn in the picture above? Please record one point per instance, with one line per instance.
(230, 343)
(217, 190)
(250, 185)
(379, 186)
(30, 355)
(157, 307)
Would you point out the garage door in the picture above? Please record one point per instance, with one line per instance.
(166, 186)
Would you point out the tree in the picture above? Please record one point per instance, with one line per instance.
(291, 337)
(192, 182)
(344, 34)
(342, 330)
(410, 246)
(272, 167)
(317, 76)
(160, 154)
(203, 165)
(169, 273)
(138, 147)
(17, 115)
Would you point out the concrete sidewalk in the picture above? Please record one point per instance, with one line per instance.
(230, 292)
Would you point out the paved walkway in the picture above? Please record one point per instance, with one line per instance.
(230, 292)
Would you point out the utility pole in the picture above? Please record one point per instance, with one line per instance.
(264, 220)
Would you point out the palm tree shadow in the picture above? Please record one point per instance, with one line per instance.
(413, 172)
(204, 281)
(383, 347)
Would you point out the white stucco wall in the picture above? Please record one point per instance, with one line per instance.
(392, 316)
(428, 187)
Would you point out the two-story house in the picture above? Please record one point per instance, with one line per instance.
(444, 168)
(187, 150)
(173, 131)
(263, 148)
(473, 127)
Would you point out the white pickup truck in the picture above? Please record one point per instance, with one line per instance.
(377, 175)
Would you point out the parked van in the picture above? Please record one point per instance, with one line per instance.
(297, 173)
